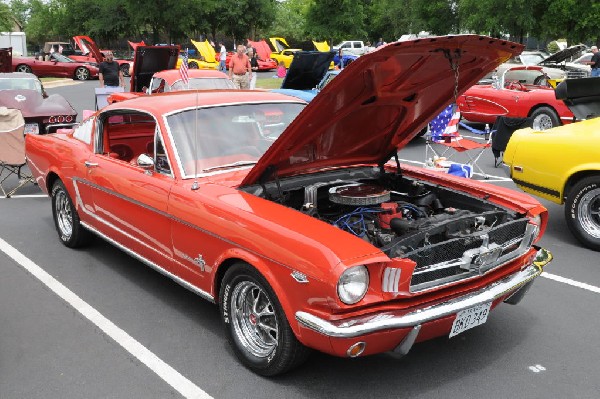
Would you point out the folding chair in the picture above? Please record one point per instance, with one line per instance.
(503, 129)
(12, 150)
(447, 123)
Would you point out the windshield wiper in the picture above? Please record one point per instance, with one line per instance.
(230, 165)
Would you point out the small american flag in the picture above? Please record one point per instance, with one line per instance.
(452, 127)
(446, 123)
(183, 68)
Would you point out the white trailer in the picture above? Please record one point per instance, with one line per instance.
(16, 40)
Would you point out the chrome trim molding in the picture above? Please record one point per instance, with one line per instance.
(391, 278)
(389, 320)
(153, 265)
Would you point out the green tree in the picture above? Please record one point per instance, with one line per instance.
(5, 18)
(577, 20)
(390, 19)
(290, 19)
(439, 17)
(337, 19)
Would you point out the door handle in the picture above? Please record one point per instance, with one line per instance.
(90, 164)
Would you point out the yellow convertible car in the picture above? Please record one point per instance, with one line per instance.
(206, 60)
(282, 51)
(562, 164)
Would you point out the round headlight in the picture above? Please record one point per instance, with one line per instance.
(353, 284)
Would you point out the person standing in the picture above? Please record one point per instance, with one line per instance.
(253, 66)
(595, 62)
(222, 57)
(110, 74)
(239, 68)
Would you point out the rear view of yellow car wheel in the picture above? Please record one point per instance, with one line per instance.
(582, 211)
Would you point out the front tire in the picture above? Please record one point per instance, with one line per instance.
(70, 231)
(544, 118)
(255, 323)
(193, 65)
(582, 212)
(82, 73)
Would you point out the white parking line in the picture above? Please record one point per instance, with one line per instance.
(564, 280)
(25, 196)
(171, 376)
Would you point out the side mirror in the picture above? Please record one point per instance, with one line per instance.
(145, 162)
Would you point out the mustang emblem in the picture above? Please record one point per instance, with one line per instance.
(20, 98)
(200, 262)
(481, 259)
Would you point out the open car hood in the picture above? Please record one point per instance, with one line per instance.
(88, 46)
(307, 70)
(206, 50)
(379, 102)
(563, 55)
(262, 49)
(134, 45)
(582, 96)
(321, 46)
(279, 44)
(151, 59)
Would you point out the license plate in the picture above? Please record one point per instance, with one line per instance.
(32, 128)
(469, 318)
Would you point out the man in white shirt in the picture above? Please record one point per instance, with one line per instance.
(222, 58)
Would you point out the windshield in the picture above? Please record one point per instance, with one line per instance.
(231, 136)
(60, 58)
(531, 59)
(203, 84)
(20, 84)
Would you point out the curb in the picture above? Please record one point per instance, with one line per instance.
(59, 83)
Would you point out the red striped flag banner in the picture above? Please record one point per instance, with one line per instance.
(183, 68)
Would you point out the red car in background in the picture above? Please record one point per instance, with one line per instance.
(265, 63)
(58, 66)
(510, 96)
(91, 53)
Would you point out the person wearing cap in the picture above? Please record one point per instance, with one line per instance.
(595, 62)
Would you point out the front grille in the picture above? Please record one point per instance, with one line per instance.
(453, 260)
(577, 74)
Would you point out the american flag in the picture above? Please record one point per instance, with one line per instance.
(446, 123)
(183, 68)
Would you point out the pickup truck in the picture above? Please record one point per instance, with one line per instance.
(355, 47)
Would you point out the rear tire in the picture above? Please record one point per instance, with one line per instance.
(255, 323)
(70, 231)
(544, 118)
(23, 68)
(582, 212)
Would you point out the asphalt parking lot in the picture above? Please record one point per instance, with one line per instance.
(95, 323)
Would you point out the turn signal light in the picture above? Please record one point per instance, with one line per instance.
(357, 349)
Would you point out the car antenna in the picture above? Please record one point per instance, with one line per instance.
(195, 185)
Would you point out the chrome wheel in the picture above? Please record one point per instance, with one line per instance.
(24, 68)
(542, 122)
(64, 217)
(253, 319)
(588, 213)
(82, 73)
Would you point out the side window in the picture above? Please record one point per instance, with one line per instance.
(84, 131)
(157, 85)
(346, 45)
(161, 162)
(356, 44)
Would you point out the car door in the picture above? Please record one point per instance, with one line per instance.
(130, 202)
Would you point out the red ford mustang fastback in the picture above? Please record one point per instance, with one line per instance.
(292, 218)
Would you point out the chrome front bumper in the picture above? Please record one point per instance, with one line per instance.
(388, 320)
